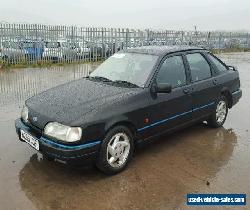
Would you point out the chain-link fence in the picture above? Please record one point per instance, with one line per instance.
(29, 43)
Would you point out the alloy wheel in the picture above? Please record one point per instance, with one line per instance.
(221, 112)
(118, 150)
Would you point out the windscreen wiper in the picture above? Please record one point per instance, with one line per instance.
(124, 82)
(98, 78)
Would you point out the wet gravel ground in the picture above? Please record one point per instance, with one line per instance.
(195, 160)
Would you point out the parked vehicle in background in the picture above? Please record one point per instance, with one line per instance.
(232, 43)
(58, 50)
(11, 50)
(33, 49)
(83, 51)
(98, 49)
(103, 42)
(52, 50)
(114, 47)
(131, 98)
(69, 50)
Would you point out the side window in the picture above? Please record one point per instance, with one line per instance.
(172, 71)
(221, 67)
(199, 67)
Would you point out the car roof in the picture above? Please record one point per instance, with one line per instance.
(161, 50)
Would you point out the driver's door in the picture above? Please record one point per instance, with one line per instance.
(168, 110)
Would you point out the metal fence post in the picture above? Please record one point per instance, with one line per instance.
(98, 42)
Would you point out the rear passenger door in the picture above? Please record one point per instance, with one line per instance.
(204, 86)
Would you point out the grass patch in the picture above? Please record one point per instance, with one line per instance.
(230, 50)
(42, 63)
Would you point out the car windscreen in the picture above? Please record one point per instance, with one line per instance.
(66, 44)
(131, 67)
(28, 45)
(52, 44)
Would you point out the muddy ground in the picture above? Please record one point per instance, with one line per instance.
(195, 160)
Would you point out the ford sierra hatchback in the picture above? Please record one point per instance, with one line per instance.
(131, 98)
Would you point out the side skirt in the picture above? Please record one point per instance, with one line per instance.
(171, 130)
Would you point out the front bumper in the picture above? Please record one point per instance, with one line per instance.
(71, 154)
(236, 96)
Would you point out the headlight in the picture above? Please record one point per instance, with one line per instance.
(25, 114)
(63, 132)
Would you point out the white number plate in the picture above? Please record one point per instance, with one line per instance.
(30, 139)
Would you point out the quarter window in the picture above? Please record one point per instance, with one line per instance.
(217, 63)
(172, 71)
(199, 67)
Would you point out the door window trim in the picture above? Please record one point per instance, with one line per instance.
(180, 54)
(217, 71)
(189, 69)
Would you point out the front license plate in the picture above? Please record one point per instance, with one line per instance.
(30, 140)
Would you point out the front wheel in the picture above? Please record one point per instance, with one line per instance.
(219, 115)
(116, 150)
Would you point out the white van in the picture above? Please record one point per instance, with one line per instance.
(57, 50)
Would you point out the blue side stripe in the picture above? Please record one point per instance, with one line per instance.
(202, 107)
(175, 116)
(165, 120)
(82, 146)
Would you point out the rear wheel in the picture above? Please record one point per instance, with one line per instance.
(219, 115)
(116, 150)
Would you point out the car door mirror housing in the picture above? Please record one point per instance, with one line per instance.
(232, 68)
(163, 88)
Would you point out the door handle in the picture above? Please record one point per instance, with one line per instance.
(186, 91)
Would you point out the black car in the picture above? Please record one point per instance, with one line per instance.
(134, 96)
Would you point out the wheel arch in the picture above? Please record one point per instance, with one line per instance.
(121, 122)
(226, 92)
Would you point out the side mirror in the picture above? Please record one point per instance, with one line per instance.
(232, 68)
(161, 88)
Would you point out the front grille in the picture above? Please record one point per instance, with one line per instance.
(37, 132)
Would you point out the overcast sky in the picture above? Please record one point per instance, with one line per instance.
(155, 14)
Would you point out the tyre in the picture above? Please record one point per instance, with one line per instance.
(219, 115)
(116, 150)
